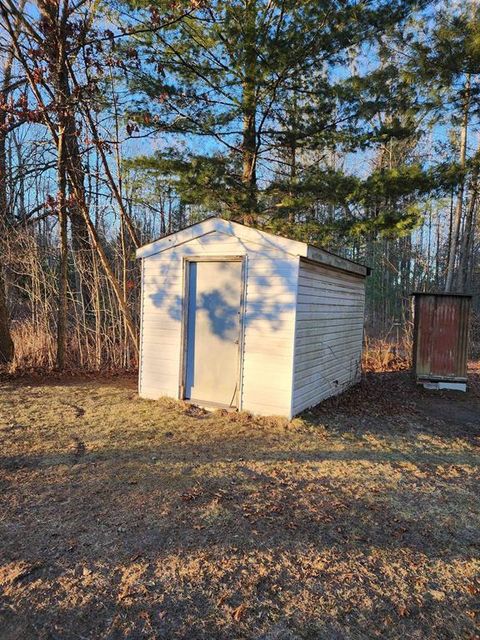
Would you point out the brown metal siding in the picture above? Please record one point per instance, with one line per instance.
(441, 336)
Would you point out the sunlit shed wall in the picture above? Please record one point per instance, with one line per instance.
(302, 316)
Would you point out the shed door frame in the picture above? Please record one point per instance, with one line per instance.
(184, 335)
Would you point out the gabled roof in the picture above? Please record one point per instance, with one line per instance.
(268, 240)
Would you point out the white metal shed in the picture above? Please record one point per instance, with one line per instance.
(233, 316)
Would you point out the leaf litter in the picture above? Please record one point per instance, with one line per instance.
(127, 518)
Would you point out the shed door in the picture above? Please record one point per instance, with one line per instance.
(213, 331)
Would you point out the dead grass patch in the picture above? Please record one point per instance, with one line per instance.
(123, 518)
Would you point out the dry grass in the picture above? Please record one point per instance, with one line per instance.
(35, 351)
(34, 348)
(387, 354)
(122, 518)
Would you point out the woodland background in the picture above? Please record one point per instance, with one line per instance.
(353, 125)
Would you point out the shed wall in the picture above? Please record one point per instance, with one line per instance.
(269, 321)
(329, 334)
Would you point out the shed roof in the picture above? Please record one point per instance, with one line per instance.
(292, 247)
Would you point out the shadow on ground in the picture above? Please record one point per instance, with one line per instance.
(122, 518)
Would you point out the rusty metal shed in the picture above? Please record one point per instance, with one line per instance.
(440, 341)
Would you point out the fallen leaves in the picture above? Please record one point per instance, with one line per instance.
(238, 612)
(371, 533)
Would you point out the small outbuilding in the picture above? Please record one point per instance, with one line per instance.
(440, 339)
(235, 317)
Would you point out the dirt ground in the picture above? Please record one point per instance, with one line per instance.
(125, 518)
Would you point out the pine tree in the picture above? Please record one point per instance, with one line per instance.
(446, 64)
(247, 83)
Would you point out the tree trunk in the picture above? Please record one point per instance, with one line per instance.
(405, 245)
(249, 108)
(78, 193)
(6, 342)
(293, 176)
(56, 16)
(63, 270)
(467, 238)
(457, 220)
(81, 246)
(63, 135)
(80, 238)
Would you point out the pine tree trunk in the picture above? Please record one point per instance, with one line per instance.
(249, 108)
(293, 178)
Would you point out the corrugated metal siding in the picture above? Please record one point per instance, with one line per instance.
(269, 321)
(441, 336)
(329, 334)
